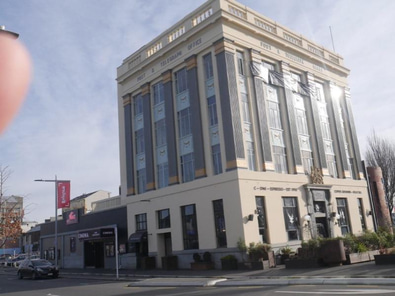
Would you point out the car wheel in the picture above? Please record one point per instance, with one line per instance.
(34, 275)
(20, 276)
(55, 275)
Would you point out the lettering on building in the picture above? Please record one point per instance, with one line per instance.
(171, 58)
(194, 44)
(261, 188)
(141, 77)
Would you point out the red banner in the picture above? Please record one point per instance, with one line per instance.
(63, 191)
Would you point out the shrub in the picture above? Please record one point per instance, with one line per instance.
(286, 250)
(196, 257)
(229, 257)
(207, 257)
(257, 251)
(361, 248)
(241, 245)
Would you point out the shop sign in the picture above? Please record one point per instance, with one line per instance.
(96, 233)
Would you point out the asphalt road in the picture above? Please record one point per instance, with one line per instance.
(11, 286)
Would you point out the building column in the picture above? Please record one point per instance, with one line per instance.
(264, 133)
(294, 154)
(148, 144)
(127, 109)
(170, 128)
(230, 107)
(196, 118)
(316, 136)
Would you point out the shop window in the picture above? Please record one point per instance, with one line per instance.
(291, 214)
(110, 250)
(72, 244)
(342, 210)
(261, 212)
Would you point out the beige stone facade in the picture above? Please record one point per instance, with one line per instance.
(259, 140)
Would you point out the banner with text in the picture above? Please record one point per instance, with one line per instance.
(63, 191)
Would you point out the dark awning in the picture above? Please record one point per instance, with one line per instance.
(138, 237)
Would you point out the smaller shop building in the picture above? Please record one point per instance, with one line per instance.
(85, 240)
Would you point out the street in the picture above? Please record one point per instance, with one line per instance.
(63, 286)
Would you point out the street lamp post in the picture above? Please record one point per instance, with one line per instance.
(56, 181)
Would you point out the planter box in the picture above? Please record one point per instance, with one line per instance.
(228, 264)
(254, 265)
(302, 263)
(372, 253)
(357, 258)
(170, 262)
(332, 252)
(148, 263)
(384, 259)
(202, 265)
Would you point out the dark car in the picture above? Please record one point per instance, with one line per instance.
(36, 268)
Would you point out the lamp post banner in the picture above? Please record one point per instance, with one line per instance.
(63, 188)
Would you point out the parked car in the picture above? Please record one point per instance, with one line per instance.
(10, 261)
(36, 268)
(16, 260)
(20, 259)
(4, 258)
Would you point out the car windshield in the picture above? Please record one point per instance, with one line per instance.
(40, 262)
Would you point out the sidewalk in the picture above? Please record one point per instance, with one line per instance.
(357, 274)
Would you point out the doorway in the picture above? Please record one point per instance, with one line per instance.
(94, 254)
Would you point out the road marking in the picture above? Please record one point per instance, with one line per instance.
(341, 291)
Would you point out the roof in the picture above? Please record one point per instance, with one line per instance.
(34, 229)
(83, 196)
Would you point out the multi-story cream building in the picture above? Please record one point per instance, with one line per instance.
(235, 127)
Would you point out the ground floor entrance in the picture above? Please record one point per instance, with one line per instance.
(94, 254)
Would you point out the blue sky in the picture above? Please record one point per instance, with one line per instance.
(68, 125)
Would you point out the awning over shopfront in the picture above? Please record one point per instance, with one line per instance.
(138, 237)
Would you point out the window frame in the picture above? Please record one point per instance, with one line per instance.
(164, 221)
(190, 232)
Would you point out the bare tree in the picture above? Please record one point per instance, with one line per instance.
(381, 153)
(11, 213)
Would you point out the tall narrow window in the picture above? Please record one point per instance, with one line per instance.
(141, 180)
(139, 144)
(291, 217)
(276, 131)
(164, 219)
(303, 132)
(184, 127)
(350, 160)
(141, 222)
(326, 131)
(212, 114)
(217, 162)
(219, 220)
(184, 122)
(361, 214)
(189, 227)
(245, 112)
(212, 111)
(261, 212)
(162, 167)
(342, 210)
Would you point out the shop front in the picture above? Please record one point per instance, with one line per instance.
(89, 242)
